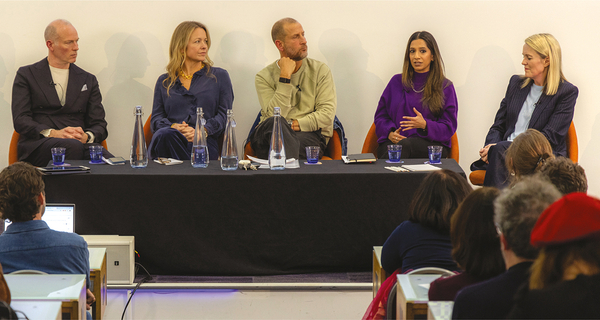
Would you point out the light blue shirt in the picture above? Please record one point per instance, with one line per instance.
(526, 111)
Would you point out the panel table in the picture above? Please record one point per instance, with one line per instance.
(188, 221)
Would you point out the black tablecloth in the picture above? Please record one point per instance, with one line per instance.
(189, 221)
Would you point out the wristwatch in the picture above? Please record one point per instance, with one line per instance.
(284, 80)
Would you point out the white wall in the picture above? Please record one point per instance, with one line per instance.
(125, 45)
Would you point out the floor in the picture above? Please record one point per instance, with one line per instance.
(306, 296)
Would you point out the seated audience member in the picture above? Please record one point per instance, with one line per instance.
(565, 175)
(516, 211)
(565, 277)
(475, 245)
(418, 108)
(6, 312)
(541, 99)
(302, 88)
(28, 243)
(527, 154)
(57, 104)
(190, 82)
(423, 240)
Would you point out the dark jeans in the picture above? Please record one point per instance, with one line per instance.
(75, 150)
(294, 142)
(411, 148)
(496, 174)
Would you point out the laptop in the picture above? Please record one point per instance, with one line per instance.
(58, 216)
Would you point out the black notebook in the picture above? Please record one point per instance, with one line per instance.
(361, 158)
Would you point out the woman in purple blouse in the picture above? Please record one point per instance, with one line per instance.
(190, 82)
(418, 108)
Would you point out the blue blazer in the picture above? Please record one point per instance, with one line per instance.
(36, 106)
(552, 116)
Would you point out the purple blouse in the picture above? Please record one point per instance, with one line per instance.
(397, 101)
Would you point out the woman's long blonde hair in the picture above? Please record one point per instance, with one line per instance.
(547, 47)
(177, 48)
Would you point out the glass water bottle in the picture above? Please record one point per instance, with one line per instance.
(139, 153)
(277, 150)
(229, 154)
(199, 157)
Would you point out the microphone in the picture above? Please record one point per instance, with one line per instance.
(298, 87)
(52, 83)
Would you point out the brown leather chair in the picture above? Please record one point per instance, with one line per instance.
(12, 149)
(370, 145)
(476, 177)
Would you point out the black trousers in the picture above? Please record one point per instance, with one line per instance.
(75, 150)
(294, 142)
(413, 147)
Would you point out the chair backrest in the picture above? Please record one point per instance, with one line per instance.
(148, 131)
(370, 145)
(432, 270)
(572, 145)
(13, 156)
(28, 271)
(454, 152)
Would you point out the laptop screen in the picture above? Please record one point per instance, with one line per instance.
(59, 217)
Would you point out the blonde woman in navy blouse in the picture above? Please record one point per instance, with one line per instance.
(190, 82)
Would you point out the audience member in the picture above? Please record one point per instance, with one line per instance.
(565, 175)
(475, 245)
(418, 108)
(57, 104)
(423, 240)
(565, 277)
(302, 88)
(541, 99)
(527, 154)
(28, 243)
(190, 82)
(516, 212)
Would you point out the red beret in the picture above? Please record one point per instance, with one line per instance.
(572, 217)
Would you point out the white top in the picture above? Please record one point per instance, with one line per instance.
(527, 110)
(60, 77)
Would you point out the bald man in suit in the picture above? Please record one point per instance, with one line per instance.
(57, 104)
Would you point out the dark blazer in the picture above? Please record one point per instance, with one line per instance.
(552, 116)
(36, 106)
(493, 298)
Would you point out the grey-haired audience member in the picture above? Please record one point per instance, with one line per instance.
(516, 212)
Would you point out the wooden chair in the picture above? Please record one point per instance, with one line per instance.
(370, 145)
(476, 177)
(13, 151)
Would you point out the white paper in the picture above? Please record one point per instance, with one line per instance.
(421, 167)
(263, 161)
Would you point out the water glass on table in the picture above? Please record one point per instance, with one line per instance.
(96, 154)
(435, 154)
(58, 156)
(312, 154)
(394, 152)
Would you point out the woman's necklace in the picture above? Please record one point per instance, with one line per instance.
(417, 91)
(185, 76)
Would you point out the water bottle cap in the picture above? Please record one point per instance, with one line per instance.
(137, 110)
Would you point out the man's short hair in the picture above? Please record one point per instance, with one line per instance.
(278, 30)
(565, 175)
(20, 187)
(51, 33)
(517, 210)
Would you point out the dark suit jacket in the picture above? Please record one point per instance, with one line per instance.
(491, 299)
(36, 106)
(552, 116)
